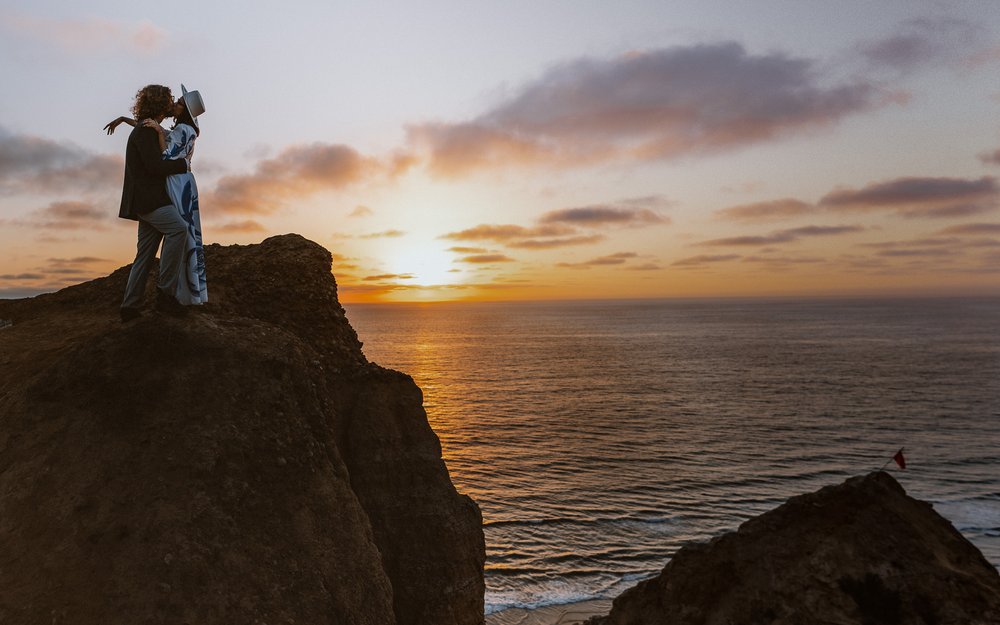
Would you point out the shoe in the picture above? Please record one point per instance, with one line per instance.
(128, 313)
(168, 304)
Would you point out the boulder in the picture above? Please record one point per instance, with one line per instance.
(862, 552)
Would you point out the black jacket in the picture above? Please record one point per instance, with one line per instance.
(146, 174)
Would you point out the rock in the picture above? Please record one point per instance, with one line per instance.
(247, 457)
(862, 552)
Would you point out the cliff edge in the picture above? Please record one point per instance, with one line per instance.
(862, 552)
(243, 464)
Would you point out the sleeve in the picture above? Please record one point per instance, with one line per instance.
(177, 140)
(152, 161)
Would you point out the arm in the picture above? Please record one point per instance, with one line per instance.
(151, 157)
(110, 127)
(159, 131)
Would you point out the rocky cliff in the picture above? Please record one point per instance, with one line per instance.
(245, 464)
(862, 552)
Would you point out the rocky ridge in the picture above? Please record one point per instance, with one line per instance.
(244, 464)
(859, 553)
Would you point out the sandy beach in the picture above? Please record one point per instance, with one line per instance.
(569, 614)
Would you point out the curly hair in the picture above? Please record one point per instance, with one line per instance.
(152, 101)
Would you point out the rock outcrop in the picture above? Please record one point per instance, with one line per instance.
(244, 464)
(862, 552)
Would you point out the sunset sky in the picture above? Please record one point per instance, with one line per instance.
(528, 150)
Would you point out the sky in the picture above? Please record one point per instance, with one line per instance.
(515, 150)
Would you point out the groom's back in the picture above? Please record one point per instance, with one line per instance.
(146, 172)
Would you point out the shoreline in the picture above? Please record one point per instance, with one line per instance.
(565, 614)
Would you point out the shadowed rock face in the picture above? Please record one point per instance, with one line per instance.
(862, 552)
(245, 464)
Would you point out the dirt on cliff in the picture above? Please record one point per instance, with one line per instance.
(858, 553)
(243, 464)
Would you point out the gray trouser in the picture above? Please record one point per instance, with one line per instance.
(163, 223)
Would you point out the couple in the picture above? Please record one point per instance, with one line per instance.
(160, 193)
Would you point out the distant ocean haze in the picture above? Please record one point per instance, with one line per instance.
(599, 437)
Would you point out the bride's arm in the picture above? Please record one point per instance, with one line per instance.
(110, 127)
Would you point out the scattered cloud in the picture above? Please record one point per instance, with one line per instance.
(921, 41)
(783, 236)
(486, 258)
(973, 229)
(361, 211)
(546, 236)
(388, 276)
(70, 215)
(547, 244)
(461, 249)
(601, 215)
(919, 197)
(774, 261)
(646, 105)
(645, 267)
(704, 259)
(920, 252)
(22, 276)
(385, 234)
(990, 158)
(296, 172)
(233, 227)
(31, 164)
(611, 259)
(88, 36)
(770, 210)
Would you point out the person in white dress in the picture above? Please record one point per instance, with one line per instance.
(178, 143)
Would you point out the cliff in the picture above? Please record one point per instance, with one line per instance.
(862, 552)
(243, 464)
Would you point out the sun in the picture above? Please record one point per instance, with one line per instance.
(427, 264)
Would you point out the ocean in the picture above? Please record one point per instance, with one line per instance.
(598, 437)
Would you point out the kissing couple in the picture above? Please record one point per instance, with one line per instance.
(161, 195)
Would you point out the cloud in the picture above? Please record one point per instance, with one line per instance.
(918, 252)
(388, 276)
(783, 236)
(546, 236)
(31, 164)
(296, 172)
(919, 197)
(361, 211)
(645, 267)
(231, 227)
(546, 244)
(990, 158)
(769, 210)
(704, 259)
(22, 276)
(461, 249)
(79, 260)
(921, 41)
(601, 215)
(925, 242)
(973, 229)
(385, 234)
(88, 36)
(611, 259)
(486, 258)
(70, 215)
(506, 232)
(646, 105)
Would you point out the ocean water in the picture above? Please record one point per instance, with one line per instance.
(599, 437)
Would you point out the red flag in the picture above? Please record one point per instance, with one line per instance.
(900, 460)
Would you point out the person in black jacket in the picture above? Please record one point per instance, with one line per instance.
(145, 199)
